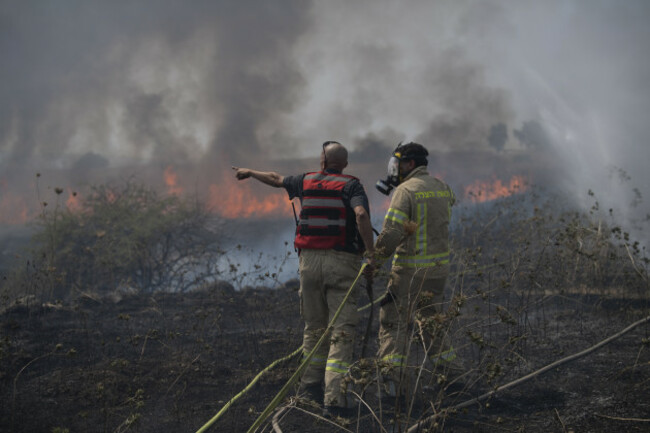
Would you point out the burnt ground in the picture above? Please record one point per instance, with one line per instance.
(169, 362)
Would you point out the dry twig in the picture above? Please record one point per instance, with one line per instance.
(560, 419)
(618, 418)
(523, 379)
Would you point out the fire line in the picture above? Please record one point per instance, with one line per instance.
(481, 190)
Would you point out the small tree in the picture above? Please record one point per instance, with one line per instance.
(129, 236)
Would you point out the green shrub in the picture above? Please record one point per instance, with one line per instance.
(125, 236)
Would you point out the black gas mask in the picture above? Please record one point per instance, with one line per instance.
(393, 178)
(407, 152)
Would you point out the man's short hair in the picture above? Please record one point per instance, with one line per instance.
(335, 153)
(414, 151)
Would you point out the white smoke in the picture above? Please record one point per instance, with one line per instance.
(212, 84)
(444, 73)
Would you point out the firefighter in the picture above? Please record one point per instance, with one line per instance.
(332, 234)
(416, 231)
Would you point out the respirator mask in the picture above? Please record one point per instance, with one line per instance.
(393, 178)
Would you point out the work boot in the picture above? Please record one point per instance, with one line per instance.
(311, 392)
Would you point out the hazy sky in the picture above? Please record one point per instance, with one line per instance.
(237, 82)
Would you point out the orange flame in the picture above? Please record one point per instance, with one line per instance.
(482, 191)
(171, 180)
(232, 199)
(237, 199)
(73, 201)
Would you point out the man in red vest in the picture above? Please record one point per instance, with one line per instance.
(333, 232)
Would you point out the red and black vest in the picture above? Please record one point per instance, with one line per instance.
(326, 221)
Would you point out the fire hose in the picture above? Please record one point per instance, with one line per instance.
(245, 390)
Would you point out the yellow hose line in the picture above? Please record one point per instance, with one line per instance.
(214, 419)
(376, 301)
(280, 395)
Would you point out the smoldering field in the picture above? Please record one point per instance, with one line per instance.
(534, 280)
(145, 315)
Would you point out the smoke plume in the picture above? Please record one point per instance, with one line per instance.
(553, 91)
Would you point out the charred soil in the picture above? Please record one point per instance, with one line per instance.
(169, 362)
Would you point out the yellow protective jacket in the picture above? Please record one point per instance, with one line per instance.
(416, 226)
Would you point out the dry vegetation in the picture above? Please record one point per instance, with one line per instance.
(106, 329)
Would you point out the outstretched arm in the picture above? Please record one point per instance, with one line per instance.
(268, 177)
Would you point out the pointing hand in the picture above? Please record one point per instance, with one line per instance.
(242, 173)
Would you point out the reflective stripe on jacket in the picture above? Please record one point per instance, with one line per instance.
(416, 226)
(326, 221)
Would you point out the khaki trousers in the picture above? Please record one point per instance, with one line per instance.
(325, 278)
(411, 295)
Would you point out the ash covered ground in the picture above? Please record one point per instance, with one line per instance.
(170, 362)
